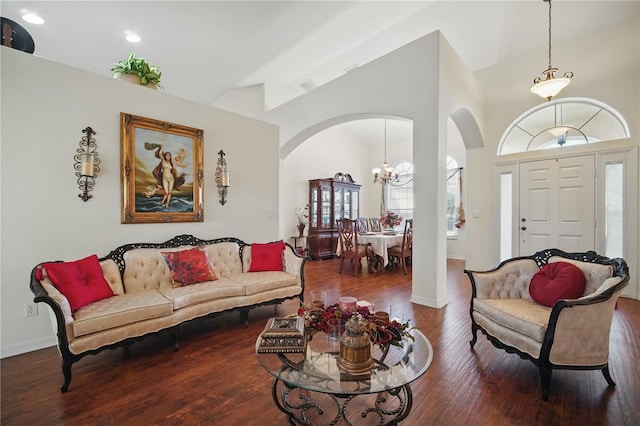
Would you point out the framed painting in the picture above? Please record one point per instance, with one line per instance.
(161, 171)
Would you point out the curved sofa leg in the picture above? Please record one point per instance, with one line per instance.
(474, 334)
(545, 378)
(607, 376)
(66, 372)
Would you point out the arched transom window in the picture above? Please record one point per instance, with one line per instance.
(563, 122)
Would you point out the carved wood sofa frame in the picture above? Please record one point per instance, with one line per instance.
(545, 366)
(117, 255)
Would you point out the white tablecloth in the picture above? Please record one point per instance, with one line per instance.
(380, 243)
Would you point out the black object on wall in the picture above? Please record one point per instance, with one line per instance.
(15, 36)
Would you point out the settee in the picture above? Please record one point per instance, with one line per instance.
(554, 332)
(153, 287)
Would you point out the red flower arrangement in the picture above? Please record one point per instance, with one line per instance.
(390, 219)
(382, 334)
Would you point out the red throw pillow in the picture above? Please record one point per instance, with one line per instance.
(81, 281)
(556, 281)
(266, 257)
(189, 266)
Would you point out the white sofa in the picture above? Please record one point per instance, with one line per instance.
(570, 334)
(148, 301)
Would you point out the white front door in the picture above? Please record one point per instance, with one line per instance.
(557, 207)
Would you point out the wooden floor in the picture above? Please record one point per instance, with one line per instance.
(215, 379)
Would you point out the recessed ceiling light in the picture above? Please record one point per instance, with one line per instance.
(133, 38)
(33, 19)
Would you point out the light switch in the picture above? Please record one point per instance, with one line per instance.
(476, 214)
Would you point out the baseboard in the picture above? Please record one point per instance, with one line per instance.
(28, 346)
(457, 257)
(428, 302)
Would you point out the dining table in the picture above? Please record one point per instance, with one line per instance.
(381, 242)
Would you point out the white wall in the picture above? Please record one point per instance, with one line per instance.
(45, 106)
(412, 83)
(588, 58)
(328, 152)
(456, 247)
(322, 156)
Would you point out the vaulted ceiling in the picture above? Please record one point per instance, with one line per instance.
(206, 49)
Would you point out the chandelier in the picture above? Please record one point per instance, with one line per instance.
(549, 86)
(386, 174)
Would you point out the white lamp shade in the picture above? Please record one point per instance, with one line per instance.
(559, 130)
(550, 87)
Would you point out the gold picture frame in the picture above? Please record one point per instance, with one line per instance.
(161, 171)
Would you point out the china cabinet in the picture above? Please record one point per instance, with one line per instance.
(330, 199)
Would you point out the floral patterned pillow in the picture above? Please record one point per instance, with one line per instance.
(189, 266)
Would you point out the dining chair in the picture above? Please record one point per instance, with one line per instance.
(363, 225)
(374, 224)
(400, 254)
(349, 247)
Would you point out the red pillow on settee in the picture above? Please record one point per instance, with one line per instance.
(556, 281)
(266, 257)
(81, 282)
(189, 266)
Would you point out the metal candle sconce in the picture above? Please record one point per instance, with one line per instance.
(222, 177)
(86, 165)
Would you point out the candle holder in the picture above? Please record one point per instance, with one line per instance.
(87, 164)
(222, 177)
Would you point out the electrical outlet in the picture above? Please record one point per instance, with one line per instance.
(30, 310)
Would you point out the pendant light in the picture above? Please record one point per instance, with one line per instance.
(386, 174)
(549, 86)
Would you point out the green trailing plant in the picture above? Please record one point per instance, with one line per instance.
(149, 74)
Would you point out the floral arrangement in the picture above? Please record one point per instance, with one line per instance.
(301, 215)
(383, 335)
(390, 219)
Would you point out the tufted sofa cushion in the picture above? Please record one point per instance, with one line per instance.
(146, 270)
(182, 297)
(595, 273)
(521, 315)
(257, 282)
(120, 310)
(225, 259)
(509, 282)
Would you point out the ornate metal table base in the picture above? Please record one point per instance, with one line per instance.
(304, 407)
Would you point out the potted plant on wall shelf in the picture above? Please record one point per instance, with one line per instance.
(138, 71)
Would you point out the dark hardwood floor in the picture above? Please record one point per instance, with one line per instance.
(215, 378)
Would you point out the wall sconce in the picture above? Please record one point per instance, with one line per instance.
(222, 177)
(86, 165)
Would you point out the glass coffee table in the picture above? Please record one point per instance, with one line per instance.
(311, 389)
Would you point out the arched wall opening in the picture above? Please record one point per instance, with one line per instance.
(463, 134)
(423, 81)
(351, 144)
(324, 148)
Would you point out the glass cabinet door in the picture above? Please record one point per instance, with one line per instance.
(314, 207)
(355, 205)
(338, 213)
(347, 204)
(326, 207)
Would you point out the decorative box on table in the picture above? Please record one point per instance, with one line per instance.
(283, 335)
